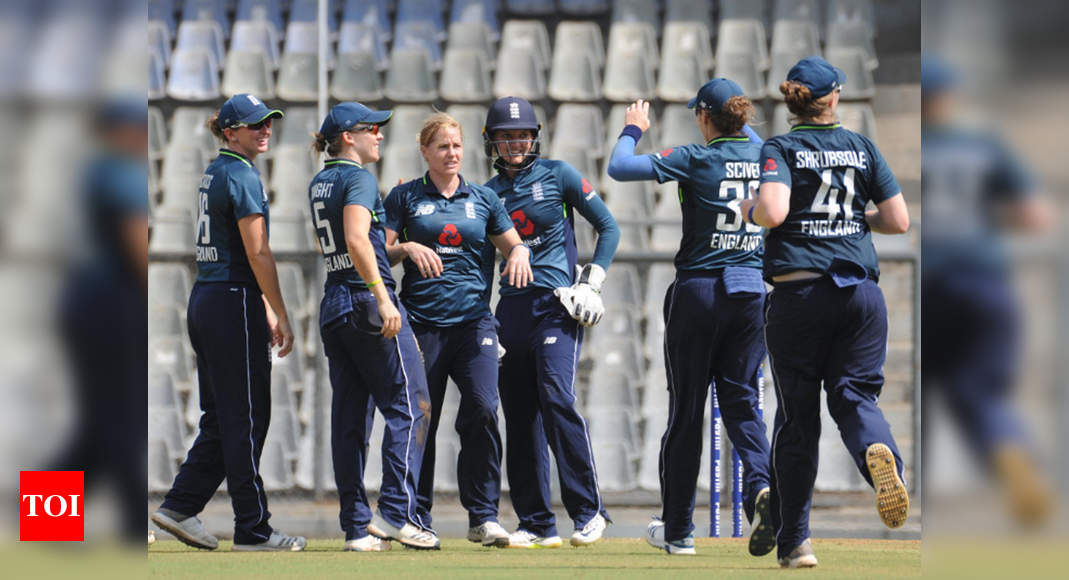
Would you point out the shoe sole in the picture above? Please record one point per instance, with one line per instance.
(257, 548)
(762, 538)
(378, 533)
(384, 547)
(537, 546)
(892, 500)
(172, 527)
(809, 561)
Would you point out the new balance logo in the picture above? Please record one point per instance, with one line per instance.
(550, 340)
(488, 342)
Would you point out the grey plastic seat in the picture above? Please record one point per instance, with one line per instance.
(168, 284)
(269, 11)
(161, 391)
(853, 34)
(795, 37)
(298, 77)
(189, 127)
(356, 37)
(529, 35)
(207, 10)
(410, 78)
(157, 84)
(681, 76)
(798, 10)
(733, 9)
(741, 68)
(201, 35)
(610, 388)
(782, 61)
(579, 37)
(161, 466)
(162, 11)
(579, 126)
(294, 289)
(471, 36)
(780, 119)
(465, 76)
(164, 321)
(616, 466)
(400, 162)
(688, 38)
(248, 72)
(165, 424)
(356, 78)
(194, 76)
(531, 7)
(159, 40)
(679, 127)
(583, 7)
(858, 117)
(303, 38)
(625, 289)
(418, 34)
(575, 77)
(293, 168)
(290, 230)
(839, 11)
(584, 238)
(628, 77)
(633, 38)
(374, 13)
(252, 36)
(483, 11)
(614, 123)
(630, 198)
(429, 11)
(859, 82)
(519, 74)
(296, 127)
(636, 11)
(275, 470)
(743, 36)
(405, 125)
(579, 158)
(169, 354)
(285, 430)
(183, 167)
(700, 11)
(157, 133)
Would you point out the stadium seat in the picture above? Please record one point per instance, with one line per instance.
(584, 238)
(839, 11)
(281, 394)
(853, 62)
(157, 133)
(578, 157)
(519, 74)
(157, 83)
(357, 37)
(797, 10)
(256, 37)
(614, 123)
(858, 117)
(161, 466)
(531, 7)
(579, 126)
(483, 11)
(688, 38)
(294, 289)
(665, 237)
(629, 77)
(410, 78)
(580, 37)
(298, 77)
(743, 36)
(183, 167)
(471, 119)
(636, 11)
(248, 72)
(165, 321)
(695, 11)
(400, 162)
(275, 468)
(658, 279)
(471, 36)
(853, 34)
(189, 128)
(780, 122)
(465, 77)
(169, 354)
(168, 284)
(292, 171)
(679, 127)
(616, 471)
(418, 35)
(194, 76)
(162, 393)
(622, 286)
(290, 230)
(202, 35)
(735, 9)
(631, 198)
(423, 11)
(782, 61)
(372, 13)
(741, 68)
(404, 128)
(575, 77)
(616, 428)
(356, 78)
(583, 7)
(268, 11)
(795, 37)
(159, 40)
(285, 430)
(529, 36)
(303, 38)
(611, 389)
(163, 11)
(681, 77)
(296, 127)
(308, 11)
(207, 10)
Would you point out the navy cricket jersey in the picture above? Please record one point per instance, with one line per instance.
(343, 182)
(457, 229)
(541, 201)
(713, 179)
(229, 190)
(833, 173)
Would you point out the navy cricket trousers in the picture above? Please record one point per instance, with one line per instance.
(537, 385)
(228, 328)
(710, 338)
(467, 352)
(818, 332)
(365, 366)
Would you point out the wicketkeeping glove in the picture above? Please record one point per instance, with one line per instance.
(582, 299)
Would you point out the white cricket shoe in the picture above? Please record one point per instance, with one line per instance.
(409, 535)
(368, 543)
(189, 531)
(489, 534)
(591, 532)
(528, 540)
(655, 538)
(278, 542)
(800, 557)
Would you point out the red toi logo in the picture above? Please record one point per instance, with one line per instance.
(522, 224)
(51, 506)
(587, 188)
(770, 165)
(449, 236)
(666, 152)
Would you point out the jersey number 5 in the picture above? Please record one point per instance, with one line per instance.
(735, 191)
(327, 239)
(827, 198)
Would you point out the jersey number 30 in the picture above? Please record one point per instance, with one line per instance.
(827, 197)
(735, 191)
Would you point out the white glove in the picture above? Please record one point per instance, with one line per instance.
(582, 299)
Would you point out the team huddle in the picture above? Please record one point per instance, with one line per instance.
(789, 212)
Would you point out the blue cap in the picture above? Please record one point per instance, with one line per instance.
(124, 110)
(818, 75)
(345, 115)
(937, 76)
(511, 113)
(715, 93)
(244, 108)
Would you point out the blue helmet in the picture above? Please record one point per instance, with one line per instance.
(511, 113)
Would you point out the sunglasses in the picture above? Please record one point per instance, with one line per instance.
(373, 129)
(254, 127)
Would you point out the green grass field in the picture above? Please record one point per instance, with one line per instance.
(610, 558)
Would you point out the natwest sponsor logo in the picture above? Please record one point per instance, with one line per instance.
(51, 506)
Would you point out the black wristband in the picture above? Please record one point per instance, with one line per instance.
(632, 131)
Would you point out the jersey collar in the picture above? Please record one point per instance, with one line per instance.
(725, 139)
(815, 126)
(236, 155)
(429, 187)
(340, 161)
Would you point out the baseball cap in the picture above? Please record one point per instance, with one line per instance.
(344, 116)
(715, 93)
(511, 113)
(244, 108)
(818, 75)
